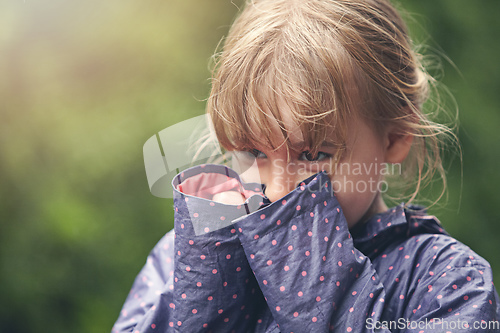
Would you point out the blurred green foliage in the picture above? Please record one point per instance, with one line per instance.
(85, 83)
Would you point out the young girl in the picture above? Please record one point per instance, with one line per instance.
(321, 98)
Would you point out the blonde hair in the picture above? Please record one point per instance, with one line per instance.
(328, 61)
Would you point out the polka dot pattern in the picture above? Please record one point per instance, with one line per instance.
(294, 266)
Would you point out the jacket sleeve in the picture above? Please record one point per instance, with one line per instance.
(195, 282)
(151, 292)
(314, 279)
(302, 254)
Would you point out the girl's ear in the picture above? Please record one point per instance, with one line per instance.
(397, 147)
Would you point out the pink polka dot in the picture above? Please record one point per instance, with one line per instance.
(183, 296)
(194, 311)
(172, 305)
(466, 298)
(338, 283)
(225, 284)
(198, 284)
(314, 319)
(439, 296)
(282, 288)
(311, 214)
(325, 203)
(326, 220)
(349, 329)
(188, 269)
(283, 202)
(300, 293)
(286, 268)
(308, 253)
(429, 287)
(294, 227)
(228, 256)
(295, 314)
(196, 215)
(339, 244)
(310, 233)
(318, 299)
(454, 286)
(269, 262)
(313, 195)
(202, 257)
(153, 326)
(278, 308)
(401, 296)
(278, 222)
(206, 229)
(191, 242)
(326, 239)
(298, 207)
(218, 244)
(354, 293)
(214, 271)
(290, 247)
(322, 278)
(222, 218)
(256, 237)
(212, 204)
(264, 282)
(304, 273)
(235, 296)
(391, 267)
(340, 263)
(274, 242)
(238, 269)
(262, 216)
(220, 311)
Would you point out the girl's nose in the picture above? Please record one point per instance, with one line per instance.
(280, 183)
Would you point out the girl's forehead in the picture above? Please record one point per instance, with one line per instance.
(280, 131)
(283, 130)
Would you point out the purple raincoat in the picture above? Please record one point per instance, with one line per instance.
(294, 266)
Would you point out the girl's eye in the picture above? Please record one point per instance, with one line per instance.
(257, 153)
(320, 156)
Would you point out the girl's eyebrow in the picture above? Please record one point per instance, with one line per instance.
(302, 144)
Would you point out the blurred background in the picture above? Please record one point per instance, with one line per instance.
(83, 85)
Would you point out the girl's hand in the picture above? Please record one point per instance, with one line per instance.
(229, 198)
